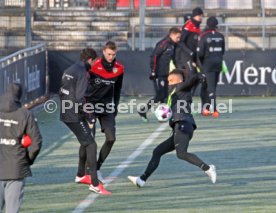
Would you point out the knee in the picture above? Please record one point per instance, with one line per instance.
(212, 94)
(181, 154)
(155, 152)
(110, 141)
(110, 136)
(87, 141)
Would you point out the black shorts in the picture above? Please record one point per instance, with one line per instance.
(82, 131)
(108, 125)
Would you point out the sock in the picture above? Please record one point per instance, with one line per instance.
(144, 177)
(204, 167)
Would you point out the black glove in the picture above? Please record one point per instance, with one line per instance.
(201, 77)
(152, 76)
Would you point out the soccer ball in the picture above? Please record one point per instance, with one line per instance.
(163, 113)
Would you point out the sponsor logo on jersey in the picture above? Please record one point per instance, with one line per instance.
(8, 123)
(97, 81)
(64, 91)
(115, 70)
(6, 141)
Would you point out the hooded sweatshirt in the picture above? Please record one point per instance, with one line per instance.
(15, 122)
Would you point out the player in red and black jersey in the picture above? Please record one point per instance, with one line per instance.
(106, 78)
(185, 52)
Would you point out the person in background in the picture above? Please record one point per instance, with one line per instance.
(160, 60)
(185, 53)
(20, 143)
(211, 47)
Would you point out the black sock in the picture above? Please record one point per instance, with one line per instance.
(204, 167)
(144, 177)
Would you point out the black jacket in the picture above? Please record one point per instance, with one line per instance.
(106, 80)
(74, 85)
(186, 48)
(16, 121)
(211, 47)
(161, 56)
(182, 100)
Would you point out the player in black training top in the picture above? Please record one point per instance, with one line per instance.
(160, 67)
(211, 47)
(183, 125)
(74, 85)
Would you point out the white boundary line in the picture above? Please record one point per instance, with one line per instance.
(84, 204)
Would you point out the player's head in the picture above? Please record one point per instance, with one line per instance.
(211, 23)
(175, 77)
(197, 14)
(175, 34)
(14, 90)
(88, 55)
(110, 51)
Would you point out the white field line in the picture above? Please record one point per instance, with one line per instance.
(84, 204)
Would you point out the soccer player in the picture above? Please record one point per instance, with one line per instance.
(160, 67)
(183, 125)
(15, 156)
(74, 85)
(185, 53)
(106, 79)
(210, 50)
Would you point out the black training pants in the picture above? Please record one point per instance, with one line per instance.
(208, 90)
(161, 91)
(87, 151)
(179, 141)
(108, 127)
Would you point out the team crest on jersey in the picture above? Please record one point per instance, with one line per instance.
(115, 70)
(97, 81)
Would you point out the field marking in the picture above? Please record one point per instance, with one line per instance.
(49, 149)
(84, 204)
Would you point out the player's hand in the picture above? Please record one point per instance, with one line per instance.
(201, 77)
(152, 76)
(91, 120)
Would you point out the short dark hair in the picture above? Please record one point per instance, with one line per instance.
(88, 53)
(174, 30)
(178, 71)
(110, 45)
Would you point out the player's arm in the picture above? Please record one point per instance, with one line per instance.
(223, 44)
(189, 81)
(33, 131)
(117, 91)
(81, 88)
(183, 42)
(158, 50)
(178, 59)
(200, 51)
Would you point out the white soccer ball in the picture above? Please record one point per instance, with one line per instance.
(163, 113)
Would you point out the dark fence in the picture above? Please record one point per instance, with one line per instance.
(28, 67)
(250, 73)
